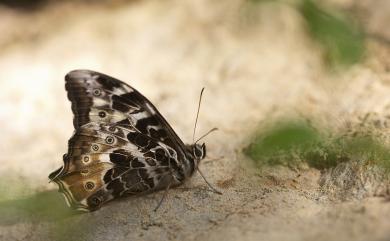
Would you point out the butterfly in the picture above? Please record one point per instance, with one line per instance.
(121, 145)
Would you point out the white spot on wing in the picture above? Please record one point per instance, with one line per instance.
(99, 102)
(140, 115)
(119, 91)
(150, 109)
(133, 149)
(104, 158)
(127, 89)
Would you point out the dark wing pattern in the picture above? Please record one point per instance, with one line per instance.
(100, 98)
(121, 145)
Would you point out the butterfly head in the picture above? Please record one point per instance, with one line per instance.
(199, 151)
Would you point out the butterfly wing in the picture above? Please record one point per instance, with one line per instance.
(99, 98)
(104, 163)
(122, 145)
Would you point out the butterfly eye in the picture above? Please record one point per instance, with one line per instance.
(102, 114)
(89, 185)
(97, 92)
(95, 201)
(86, 159)
(109, 140)
(198, 151)
(95, 147)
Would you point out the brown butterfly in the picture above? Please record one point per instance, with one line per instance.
(121, 145)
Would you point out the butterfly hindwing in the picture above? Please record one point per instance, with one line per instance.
(105, 162)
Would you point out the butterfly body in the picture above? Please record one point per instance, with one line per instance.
(121, 145)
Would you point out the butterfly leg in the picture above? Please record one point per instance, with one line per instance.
(209, 184)
(170, 181)
(163, 197)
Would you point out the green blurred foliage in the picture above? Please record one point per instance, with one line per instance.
(293, 143)
(281, 140)
(342, 39)
(369, 150)
(20, 203)
(43, 206)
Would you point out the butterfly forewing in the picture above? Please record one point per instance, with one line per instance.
(121, 146)
(98, 98)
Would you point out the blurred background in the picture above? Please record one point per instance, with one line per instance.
(325, 62)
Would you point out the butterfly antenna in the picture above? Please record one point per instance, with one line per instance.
(209, 184)
(197, 114)
(203, 136)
